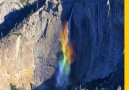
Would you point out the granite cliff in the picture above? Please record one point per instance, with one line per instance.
(30, 48)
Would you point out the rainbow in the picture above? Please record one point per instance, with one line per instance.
(67, 57)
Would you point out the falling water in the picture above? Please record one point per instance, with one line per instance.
(67, 57)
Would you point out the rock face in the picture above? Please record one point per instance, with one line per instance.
(97, 31)
(28, 52)
(29, 43)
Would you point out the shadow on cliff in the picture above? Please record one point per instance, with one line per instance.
(98, 41)
(15, 17)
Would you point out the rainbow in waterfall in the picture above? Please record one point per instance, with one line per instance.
(67, 57)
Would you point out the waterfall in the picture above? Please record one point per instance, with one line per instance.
(67, 56)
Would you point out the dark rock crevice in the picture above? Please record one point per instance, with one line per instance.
(44, 35)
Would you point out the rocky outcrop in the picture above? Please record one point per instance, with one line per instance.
(7, 6)
(28, 52)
